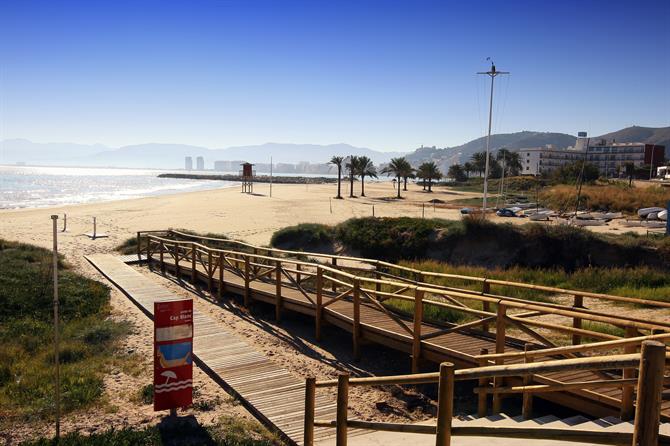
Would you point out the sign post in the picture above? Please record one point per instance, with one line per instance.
(173, 354)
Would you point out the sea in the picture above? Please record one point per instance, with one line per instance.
(37, 186)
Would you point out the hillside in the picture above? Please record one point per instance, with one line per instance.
(649, 135)
(518, 140)
(460, 154)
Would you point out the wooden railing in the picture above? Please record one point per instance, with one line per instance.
(507, 322)
(406, 274)
(649, 364)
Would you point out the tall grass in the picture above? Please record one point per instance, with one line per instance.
(26, 335)
(612, 197)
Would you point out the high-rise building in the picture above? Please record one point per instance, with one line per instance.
(188, 163)
(200, 163)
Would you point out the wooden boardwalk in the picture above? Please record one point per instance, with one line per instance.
(376, 326)
(271, 393)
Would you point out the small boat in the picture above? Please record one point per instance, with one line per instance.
(644, 212)
(652, 216)
(540, 216)
(663, 215)
(583, 222)
(653, 224)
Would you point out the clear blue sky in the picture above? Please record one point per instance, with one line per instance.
(388, 75)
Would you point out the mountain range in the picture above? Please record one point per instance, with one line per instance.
(171, 156)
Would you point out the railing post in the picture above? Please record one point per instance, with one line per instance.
(246, 281)
(333, 261)
(482, 397)
(445, 404)
(356, 331)
(486, 306)
(319, 302)
(149, 255)
(527, 400)
(193, 270)
(255, 268)
(627, 405)
(577, 321)
(649, 388)
(221, 282)
(139, 247)
(162, 247)
(378, 276)
(177, 269)
(342, 406)
(418, 318)
(500, 348)
(297, 275)
(210, 271)
(310, 403)
(278, 302)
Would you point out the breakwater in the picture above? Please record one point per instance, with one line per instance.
(257, 179)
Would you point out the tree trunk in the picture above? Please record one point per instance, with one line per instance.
(405, 184)
(430, 184)
(362, 185)
(351, 185)
(399, 184)
(339, 182)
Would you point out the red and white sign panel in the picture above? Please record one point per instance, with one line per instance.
(173, 354)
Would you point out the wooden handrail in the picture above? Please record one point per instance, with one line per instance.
(647, 414)
(378, 263)
(190, 248)
(577, 348)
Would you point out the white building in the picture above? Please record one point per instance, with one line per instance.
(608, 156)
(200, 163)
(188, 163)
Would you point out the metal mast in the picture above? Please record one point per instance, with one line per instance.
(492, 73)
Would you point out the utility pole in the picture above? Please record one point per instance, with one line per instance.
(270, 177)
(492, 73)
(54, 218)
(651, 167)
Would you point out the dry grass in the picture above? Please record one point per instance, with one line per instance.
(606, 197)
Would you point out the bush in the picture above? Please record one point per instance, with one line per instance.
(26, 334)
(612, 197)
(305, 236)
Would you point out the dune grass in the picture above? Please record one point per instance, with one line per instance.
(612, 197)
(228, 431)
(88, 337)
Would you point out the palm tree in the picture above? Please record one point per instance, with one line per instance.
(421, 174)
(479, 162)
(468, 168)
(352, 169)
(396, 167)
(511, 161)
(431, 172)
(338, 161)
(365, 169)
(457, 172)
(408, 172)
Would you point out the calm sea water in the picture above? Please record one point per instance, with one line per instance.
(29, 186)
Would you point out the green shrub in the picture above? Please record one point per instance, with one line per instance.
(26, 334)
(303, 237)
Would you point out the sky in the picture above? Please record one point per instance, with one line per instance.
(388, 75)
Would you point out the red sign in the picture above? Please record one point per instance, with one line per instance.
(173, 354)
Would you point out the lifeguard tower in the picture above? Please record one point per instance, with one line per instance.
(247, 175)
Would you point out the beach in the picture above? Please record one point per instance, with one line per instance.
(252, 218)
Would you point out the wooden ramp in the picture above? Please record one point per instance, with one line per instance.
(271, 393)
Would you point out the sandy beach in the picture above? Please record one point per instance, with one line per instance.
(250, 217)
